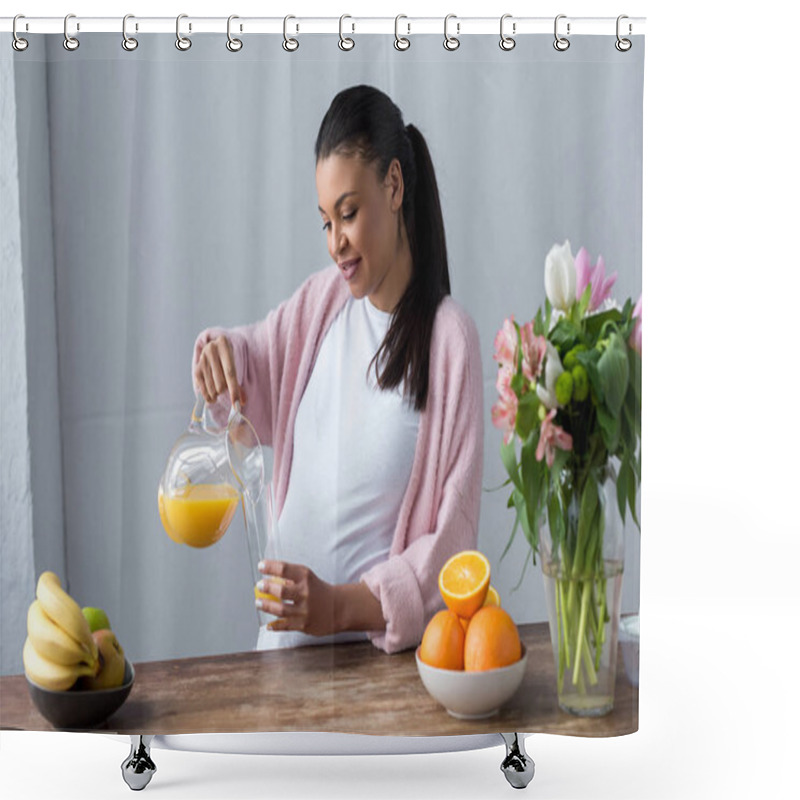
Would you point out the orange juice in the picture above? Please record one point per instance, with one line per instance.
(162, 512)
(200, 514)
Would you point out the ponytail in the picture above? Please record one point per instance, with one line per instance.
(363, 120)
(406, 347)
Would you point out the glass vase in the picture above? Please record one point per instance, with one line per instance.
(582, 553)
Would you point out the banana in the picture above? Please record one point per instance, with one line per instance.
(48, 674)
(52, 642)
(64, 611)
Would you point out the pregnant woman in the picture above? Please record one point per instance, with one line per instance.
(367, 384)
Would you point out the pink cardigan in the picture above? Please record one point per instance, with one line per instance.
(439, 512)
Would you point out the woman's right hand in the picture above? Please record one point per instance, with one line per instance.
(215, 372)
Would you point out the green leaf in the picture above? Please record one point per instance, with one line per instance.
(635, 368)
(527, 415)
(555, 519)
(609, 427)
(538, 324)
(511, 538)
(622, 487)
(565, 335)
(533, 476)
(589, 359)
(583, 303)
(522, 516)
(593, 325)
(614, 370)
(508, 455)
(632, 490)
(633, 418)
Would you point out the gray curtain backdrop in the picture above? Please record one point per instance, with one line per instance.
(159, 192)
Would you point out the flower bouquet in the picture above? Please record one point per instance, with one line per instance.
(569, 385)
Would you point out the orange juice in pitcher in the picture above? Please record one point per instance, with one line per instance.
(199, 514)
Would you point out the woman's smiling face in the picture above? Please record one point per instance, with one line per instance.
(362, 217)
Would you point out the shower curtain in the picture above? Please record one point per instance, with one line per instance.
(153, 193)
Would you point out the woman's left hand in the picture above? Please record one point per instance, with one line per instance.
(303, 602)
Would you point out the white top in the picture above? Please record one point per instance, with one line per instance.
(353, 452)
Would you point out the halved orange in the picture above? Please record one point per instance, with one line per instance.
(492, 597)
(464, 582)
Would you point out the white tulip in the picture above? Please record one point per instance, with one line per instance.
(552, 369)
(559, 276)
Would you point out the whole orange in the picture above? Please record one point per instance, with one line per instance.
(443, 642)
(492, 640)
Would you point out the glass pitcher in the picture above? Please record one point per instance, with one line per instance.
(210, 470)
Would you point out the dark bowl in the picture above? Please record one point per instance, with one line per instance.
(80, 708)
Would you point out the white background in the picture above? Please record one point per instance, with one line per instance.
(719, 598)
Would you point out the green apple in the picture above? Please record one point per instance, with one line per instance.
(112, 662)
(97, 618)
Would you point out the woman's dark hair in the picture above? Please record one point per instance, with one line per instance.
(363, 121)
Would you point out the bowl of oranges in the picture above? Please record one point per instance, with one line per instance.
(471, 659)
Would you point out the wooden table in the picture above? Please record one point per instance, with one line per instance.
(347, 688)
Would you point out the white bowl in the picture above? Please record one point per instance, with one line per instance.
(472, 695)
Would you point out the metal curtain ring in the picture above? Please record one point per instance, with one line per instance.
(70, 42)
(18, 43)
(289, 44)
(451, 42)
(345, 42)
(181, 42)
(400, 42)
(561, 43)
(128, 42)
(233, 44)
(507, 42)
(623, 45)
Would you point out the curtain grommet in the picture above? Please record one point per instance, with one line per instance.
(451, 43)
(70, 43)
(129, 43)
(507, 42)
(345, 42)
(233, 44)
(623, 45)
(561, 43)
(400, 42)
(17, 42)
(183, 43)
(289, 44)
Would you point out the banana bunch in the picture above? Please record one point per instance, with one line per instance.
(59, 648)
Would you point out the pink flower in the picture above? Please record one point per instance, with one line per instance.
(505, 344)
(550, 437)
(504, 411)
(635, 340)
(596, 275)
(534, 349)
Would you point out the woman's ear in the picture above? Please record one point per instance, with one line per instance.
(394, 182)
